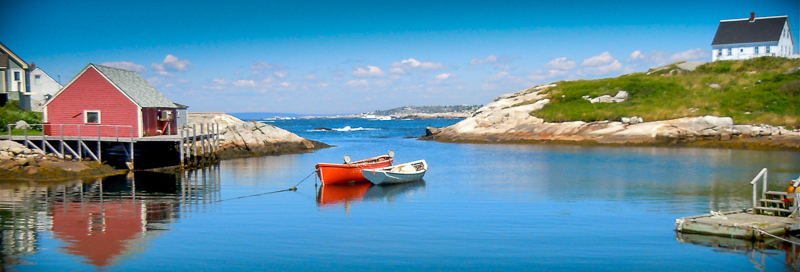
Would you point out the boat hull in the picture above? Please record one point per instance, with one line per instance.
(330, 173)
(385, 175)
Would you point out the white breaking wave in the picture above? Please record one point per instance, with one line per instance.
(344, 129)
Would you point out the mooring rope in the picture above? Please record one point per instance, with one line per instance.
(294, 188)
(776, 237)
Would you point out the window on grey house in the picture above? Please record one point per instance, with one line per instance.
(756, 49)
(37, 79)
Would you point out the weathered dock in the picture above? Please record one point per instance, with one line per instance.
(773, 215)
(738, 224)
(192, 146)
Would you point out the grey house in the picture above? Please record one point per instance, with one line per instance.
(15, 76)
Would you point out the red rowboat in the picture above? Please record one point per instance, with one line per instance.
(331, 173)
(334, 194)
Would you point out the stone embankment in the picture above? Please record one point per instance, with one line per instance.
(20, 163)
(508, 119)
(246, 139)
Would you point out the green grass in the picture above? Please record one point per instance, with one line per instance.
(22, 132)
(754, 91)
(10, 114)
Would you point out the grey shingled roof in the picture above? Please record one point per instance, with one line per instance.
(136, 87)
(743, 31)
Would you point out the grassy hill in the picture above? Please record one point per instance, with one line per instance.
(756, 91)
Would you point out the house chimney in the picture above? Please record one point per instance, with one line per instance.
(752, 17)
(33, 65)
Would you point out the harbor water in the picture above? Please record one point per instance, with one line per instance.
(481, 207)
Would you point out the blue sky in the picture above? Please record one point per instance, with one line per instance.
(333, 57)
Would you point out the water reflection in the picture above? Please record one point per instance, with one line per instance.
(346, 194)
(757, 251)
(103, 220)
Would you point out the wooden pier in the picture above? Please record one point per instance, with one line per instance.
(773, 215)
(193, 146)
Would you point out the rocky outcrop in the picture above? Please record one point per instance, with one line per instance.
(18, 162)
(508, 118)
(242, 139)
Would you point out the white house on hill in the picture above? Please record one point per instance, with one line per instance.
(753, 37)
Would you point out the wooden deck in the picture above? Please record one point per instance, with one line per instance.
(192, 146)
(738, 224)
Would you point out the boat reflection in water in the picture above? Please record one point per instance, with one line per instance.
(103, 221)
(346, 194)
(757, 251)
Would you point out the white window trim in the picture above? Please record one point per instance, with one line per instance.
(86, 117)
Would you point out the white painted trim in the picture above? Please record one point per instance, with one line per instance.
(757, 18)
(14, 56)
(115, 85)
(48, 75)
(85, 117)
(141, 122)
(67, 86)
(44, 115)
(79, 75)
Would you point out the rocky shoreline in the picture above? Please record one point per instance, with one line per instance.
(239, 139)
(18, 163)
(508, 120)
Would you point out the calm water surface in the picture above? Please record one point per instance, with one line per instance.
(480, 208)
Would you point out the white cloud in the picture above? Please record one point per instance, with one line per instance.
(603, 59)
(561, 64)
(130, 66)
(244, 83)
(281, 74)
(261, 66)
(159, 67)
(363, 83)
(636, 55)
(502, 66)
(444, 76)
(405, 66)
(690, 54)
(542, 75)
(615, 65)
(600, 64)
(479, 61)
(173, 63)
(498, 76)
(310, 77)
(221, 81)
(371, 71)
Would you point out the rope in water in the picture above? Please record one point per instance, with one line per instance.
(776, 237)
(294, 188)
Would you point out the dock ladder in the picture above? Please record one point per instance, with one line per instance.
(775, 203)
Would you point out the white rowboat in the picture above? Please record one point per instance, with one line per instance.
(398, 173)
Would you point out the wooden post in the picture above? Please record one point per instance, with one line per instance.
(99, 140)
(202, 142)
(80, 146)
(180, 146)
(194, 143)
(62, 141)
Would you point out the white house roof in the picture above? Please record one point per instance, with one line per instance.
(743, 31)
